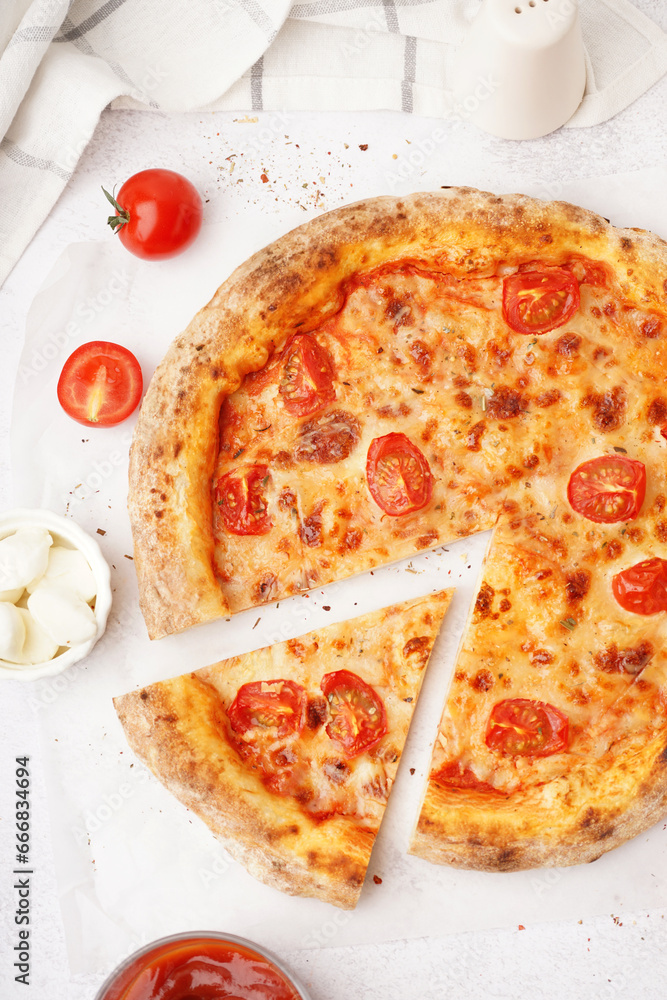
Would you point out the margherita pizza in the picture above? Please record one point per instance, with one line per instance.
(405, 372)
(289, 753)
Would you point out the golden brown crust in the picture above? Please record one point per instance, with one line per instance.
(178, 728)
(293, 285)
(591, 809)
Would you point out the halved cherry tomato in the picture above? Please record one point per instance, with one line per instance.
(278, 707)
(642, 588)
(541, 300)
(100, 384)
(158, 214)
(358, 717)
(306, 383)
(608, 489)
(241, 500)
(524, 728)
(399, 476)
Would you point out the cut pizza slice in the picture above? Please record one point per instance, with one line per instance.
(289, 753)
(523, 758)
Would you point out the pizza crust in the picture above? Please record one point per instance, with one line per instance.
(292, 286)
(592, 808)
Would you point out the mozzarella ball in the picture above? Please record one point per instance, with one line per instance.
(64, 616)
(12, 633)
(23, 557)
(69, 569)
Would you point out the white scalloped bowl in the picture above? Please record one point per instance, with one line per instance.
(69, 534)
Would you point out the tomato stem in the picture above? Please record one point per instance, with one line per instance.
(122, 216)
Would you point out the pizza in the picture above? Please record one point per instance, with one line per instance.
(289, 753)
(405, 372)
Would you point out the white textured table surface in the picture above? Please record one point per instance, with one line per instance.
(314, 163)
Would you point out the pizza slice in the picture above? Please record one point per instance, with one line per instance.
(529, 766)
(289, 753)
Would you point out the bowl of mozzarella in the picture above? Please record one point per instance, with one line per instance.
(55, 594)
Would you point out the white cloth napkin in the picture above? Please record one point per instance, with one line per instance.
(63, 61)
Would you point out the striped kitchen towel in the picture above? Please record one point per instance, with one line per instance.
(63, 61)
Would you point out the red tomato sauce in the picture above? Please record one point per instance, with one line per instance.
(204, 969)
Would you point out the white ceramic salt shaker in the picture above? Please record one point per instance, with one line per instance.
(521, 70)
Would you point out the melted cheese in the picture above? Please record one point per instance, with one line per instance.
(503, 420)
(318, 772)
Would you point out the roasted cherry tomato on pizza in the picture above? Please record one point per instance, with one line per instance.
(242, 502)
(519, 727)
(158, 214)
(277, 707)
(454, 775)
(608, 489)
(358, 719)
(398, 474)
(540, 300)
(642, 588)
(100, 384)
(306, 381)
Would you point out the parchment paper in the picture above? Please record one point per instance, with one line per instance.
(132, 863)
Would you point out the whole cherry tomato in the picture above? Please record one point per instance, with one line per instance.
(158, 214)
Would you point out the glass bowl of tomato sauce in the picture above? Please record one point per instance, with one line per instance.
(202, 965)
